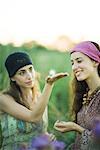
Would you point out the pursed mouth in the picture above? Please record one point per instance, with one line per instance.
(29, 82)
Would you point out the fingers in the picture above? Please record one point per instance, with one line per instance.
(60, 124)
(57, 124)
(60, 75)
(60, 129)
(64, 74)
(51, 79)
(52, 137)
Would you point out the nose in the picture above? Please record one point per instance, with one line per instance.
(75, 66)
(29, 75)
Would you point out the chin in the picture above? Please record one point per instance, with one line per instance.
(30, 85)
(80, 78)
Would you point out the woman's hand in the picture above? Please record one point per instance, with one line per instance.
(63, 126)
(51, 136)
(51, 79)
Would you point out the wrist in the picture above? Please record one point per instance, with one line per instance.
(78, 128)
(50, 83)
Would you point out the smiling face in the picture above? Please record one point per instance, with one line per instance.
(82, 66)
(25, 76)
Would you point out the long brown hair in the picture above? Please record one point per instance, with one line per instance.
(15, 92)
(80, 88)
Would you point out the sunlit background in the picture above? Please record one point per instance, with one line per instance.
(41, 28)
(50, 22)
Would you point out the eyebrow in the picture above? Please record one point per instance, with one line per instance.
(24, 69)
(77, 58)
(21, 70)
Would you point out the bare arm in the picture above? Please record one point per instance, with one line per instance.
(43, 101)
(68, 126)
(44, 98)
(8, 104)
(78, 128)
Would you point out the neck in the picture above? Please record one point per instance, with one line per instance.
(26, 92)
(93, 82)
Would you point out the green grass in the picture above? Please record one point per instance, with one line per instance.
(44, 60)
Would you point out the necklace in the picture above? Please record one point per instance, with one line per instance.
(86, 99)
(87, 96)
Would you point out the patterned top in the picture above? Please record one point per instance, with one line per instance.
(85, 118)
(17, 132)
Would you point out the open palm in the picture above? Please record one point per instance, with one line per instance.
(52, 79)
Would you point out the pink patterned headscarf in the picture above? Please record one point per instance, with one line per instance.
(89, 49)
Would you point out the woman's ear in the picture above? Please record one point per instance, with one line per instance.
(12, 79)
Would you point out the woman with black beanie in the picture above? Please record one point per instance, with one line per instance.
(23, 111)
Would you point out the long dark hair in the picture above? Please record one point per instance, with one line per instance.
(80, 88)
(15, 92)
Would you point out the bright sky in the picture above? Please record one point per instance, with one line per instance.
(45, 20)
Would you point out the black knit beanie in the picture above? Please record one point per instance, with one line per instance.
(15, 61)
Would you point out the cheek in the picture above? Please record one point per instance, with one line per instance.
(20, 80)
(89, 69)
(34, 75)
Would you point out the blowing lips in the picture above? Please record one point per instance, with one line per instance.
(29, 82)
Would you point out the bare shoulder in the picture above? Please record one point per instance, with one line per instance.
(4, 99)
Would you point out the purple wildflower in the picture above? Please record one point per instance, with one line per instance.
(40, 141)
(58, 145)
(43, 142)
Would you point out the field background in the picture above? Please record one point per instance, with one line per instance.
(44, 60)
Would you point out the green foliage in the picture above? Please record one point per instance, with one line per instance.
(44, 60)
(0, 136)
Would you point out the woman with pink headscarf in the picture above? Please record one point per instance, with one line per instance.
(85, 58)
